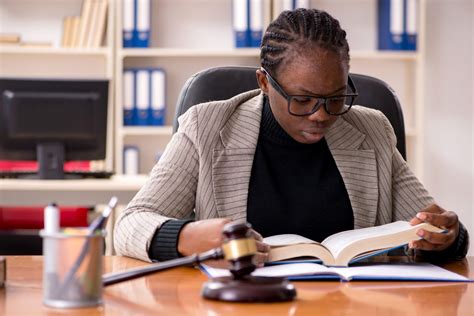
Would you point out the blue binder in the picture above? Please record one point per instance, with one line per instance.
(142, 100)
(390, 24)
(255, 22)
(131, 160)
(411, 27)
(157, 108)
(128, 20)
(128, 97)
(240, 20)
(300, 4)
(142, 25)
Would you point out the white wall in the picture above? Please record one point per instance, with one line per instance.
(449, 114)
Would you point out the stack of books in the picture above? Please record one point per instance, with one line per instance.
(13, 39)
(10, 39)
(88, 29)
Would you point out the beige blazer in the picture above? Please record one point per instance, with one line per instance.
(206, 169)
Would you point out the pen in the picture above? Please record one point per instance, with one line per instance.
(101, 221)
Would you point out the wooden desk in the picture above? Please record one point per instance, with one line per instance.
(177, 292)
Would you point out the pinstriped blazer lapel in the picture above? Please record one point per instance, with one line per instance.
(358, 168)
(232, 161)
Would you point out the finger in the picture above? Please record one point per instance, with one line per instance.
(436, 238)
(433, 208)
(262, 247)
(259, 259)
(424, 245)
(445, 219)
(418, 219)
(256, 235)
(415, 221)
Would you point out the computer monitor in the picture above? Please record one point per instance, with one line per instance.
(53, 120)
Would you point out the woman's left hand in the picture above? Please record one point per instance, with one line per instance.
(441, 218)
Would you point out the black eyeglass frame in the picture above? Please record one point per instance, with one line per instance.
(318, 104)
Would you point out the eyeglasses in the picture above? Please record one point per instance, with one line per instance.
(304, 105)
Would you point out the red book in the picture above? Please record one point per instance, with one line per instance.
(26, 217)
(32, 166)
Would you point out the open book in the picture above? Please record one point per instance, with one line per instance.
(387, 272)
(348, 246)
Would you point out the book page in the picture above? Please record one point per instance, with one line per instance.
(339, 241)
(281, 270)
(415, 271)
(287, 239)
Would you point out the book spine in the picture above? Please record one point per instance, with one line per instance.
(411, 29)
(128, 97)
(131, 160)
(301, 4)
(157, 97)
(142, 96)
(256, 22)
(390, 24)
(128, 20)
(240, 22)
(20, 217)
(32, 166)
(99, 31)
(143, 21)
(93, 23)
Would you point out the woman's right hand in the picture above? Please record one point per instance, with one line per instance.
(200, 236)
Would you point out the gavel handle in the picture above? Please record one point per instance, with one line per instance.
(112, 278)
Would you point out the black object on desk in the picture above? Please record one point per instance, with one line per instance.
(53, 120)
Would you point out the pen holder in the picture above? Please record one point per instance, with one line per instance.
(72, 268)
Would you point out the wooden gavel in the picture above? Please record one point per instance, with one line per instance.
(238, 248)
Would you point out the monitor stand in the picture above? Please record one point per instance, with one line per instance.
(50, 157)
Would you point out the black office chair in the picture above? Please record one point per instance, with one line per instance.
(222, 83)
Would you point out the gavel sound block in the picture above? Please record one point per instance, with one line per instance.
(239, 248)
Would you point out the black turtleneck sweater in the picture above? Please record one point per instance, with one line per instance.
(295, 188)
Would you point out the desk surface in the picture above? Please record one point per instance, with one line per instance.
(177, 292)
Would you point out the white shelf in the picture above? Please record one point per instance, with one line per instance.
(188, 52)
(116, 183)
(251, 52)
(147, 130)
(30, 50)
(69, 192)
(385, 55)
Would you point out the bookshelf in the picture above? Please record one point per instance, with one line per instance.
(43, 21)
(182, 49)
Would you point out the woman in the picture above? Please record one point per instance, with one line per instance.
(290, 157)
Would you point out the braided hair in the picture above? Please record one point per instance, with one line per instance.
(292, 31)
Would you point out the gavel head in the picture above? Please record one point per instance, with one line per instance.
(239, 248)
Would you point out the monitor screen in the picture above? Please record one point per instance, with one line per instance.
(52, 121)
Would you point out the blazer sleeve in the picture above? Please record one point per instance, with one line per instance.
(169, 193)
(409, 196)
